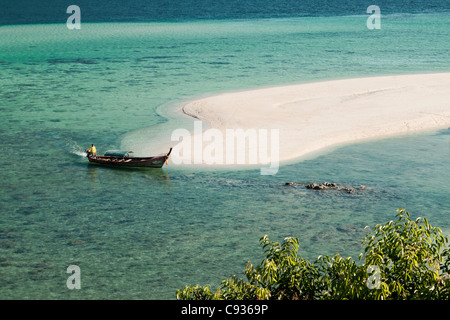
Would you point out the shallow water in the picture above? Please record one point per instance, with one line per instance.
(142, 234)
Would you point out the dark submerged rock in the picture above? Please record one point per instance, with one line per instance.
(330, 185)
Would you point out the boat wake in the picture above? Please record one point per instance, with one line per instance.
(75, 149)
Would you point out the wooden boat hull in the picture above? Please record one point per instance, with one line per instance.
(131, 162)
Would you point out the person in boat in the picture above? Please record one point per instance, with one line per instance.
(92, 151)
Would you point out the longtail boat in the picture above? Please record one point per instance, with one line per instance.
(119, 158)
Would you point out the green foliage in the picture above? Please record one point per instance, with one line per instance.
(410, 256)
(404, 259)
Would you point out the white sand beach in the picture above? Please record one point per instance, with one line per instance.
(313, 116)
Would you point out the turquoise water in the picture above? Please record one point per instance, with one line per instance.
(142, 234)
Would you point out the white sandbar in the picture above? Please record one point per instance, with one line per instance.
(314, 116)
